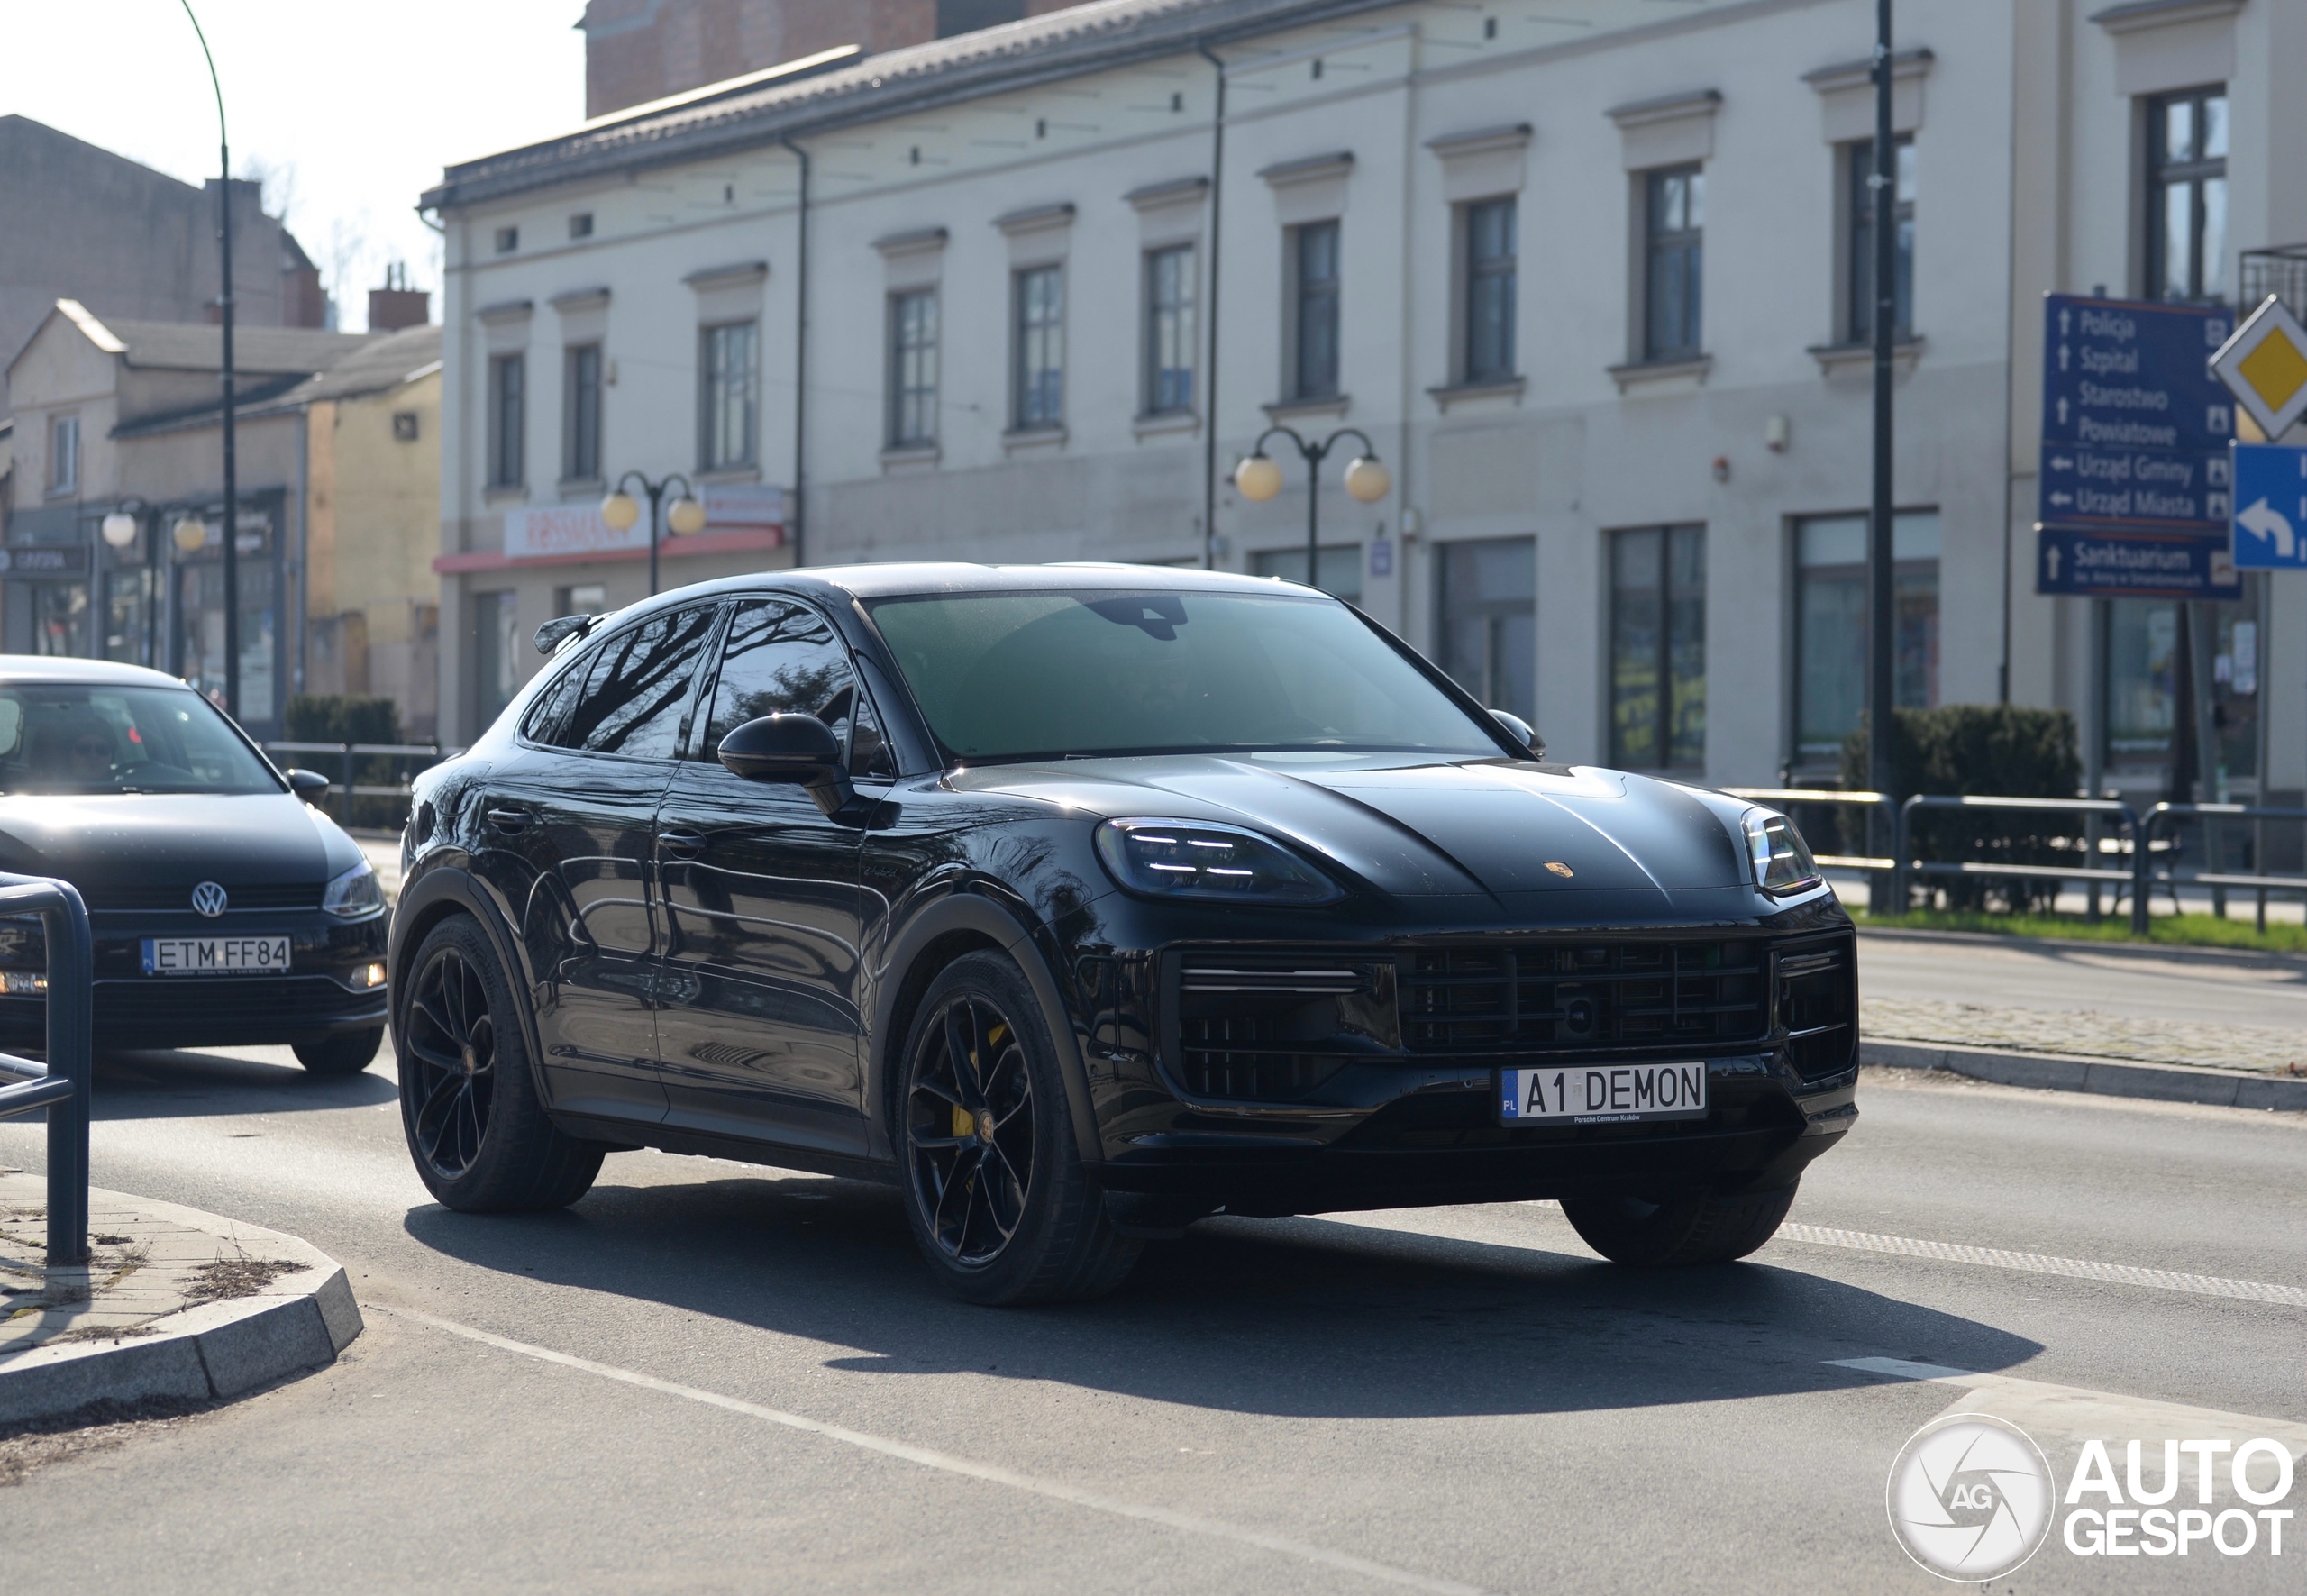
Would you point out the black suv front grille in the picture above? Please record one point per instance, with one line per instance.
(1563, 996)
(1265, 1028)
(1818, 1003)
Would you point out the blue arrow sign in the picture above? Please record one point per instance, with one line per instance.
(2270, 506)
(2133, 564)
(2136, 487)
(2123, 374)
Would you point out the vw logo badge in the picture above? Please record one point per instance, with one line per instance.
(208, 900)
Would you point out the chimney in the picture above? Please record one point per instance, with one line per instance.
(397, 305)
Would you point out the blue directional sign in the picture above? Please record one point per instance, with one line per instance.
(2135, 426)
(2133, 563)
(2270, 506)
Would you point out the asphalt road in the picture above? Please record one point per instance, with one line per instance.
(706, 1376)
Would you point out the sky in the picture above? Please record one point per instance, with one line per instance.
(346, 109)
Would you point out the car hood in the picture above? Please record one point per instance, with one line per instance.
(1419, 828)
(154, 839)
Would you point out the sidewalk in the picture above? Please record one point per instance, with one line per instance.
(173, 1303)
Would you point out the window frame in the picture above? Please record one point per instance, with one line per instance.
(2196, 174)
(1313, 300)
(684, 732)
(1856, 163)
(1662, 725)
(1685, 247)
(716, 387)
(580, 409)
(917, 399)
(63, 459)
(1036, 335)
(700, 732)
(508, 420)
(1904, 569)
(1172, 319)
(1476, 270)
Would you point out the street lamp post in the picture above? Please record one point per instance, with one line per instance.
(1882, 681)
(224, 306)
(1258, 477)
(685, 515)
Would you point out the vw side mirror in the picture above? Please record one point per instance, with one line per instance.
(798, 749)
(306, 784)
(1521, 733)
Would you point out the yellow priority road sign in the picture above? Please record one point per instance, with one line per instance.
(2265, 366)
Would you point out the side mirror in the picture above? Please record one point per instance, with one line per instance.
(1521, 733)
(799, 749)
(307, 785)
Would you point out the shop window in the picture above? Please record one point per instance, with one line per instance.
(1487, 628)
(1830, 610)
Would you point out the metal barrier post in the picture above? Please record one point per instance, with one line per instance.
(1901, 852)
(62, 1085)
(2142, 870)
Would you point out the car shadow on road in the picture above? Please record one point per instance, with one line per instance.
(174, 1084)
(1306, 1317)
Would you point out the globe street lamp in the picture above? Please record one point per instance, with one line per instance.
(685, 515)
(119, 529)
(224, 308)
(1258, 477)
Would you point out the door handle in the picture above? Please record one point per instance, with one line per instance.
(509, 820)
(682, 843)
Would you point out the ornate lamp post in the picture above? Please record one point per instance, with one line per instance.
(224, 305)
(685, 515)
(1258, 477)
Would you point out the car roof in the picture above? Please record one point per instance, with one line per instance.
(43, 668)
(926, 577)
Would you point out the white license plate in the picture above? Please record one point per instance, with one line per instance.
(1601, 1094)
(216, 955)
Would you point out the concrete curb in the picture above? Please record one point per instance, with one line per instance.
(217, 1350)
(2114, 1078)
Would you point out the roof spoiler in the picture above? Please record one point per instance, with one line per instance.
(560, 630)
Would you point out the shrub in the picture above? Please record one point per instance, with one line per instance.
(1979, 750)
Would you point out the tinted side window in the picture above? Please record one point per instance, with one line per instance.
(781, 658)
(638, 687)
(550, 709)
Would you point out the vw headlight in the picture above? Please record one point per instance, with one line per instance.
(1782, 859)
(1173, 859)
(355, 895)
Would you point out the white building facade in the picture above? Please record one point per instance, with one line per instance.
(1581, 274)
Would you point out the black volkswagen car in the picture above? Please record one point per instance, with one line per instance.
(224, 909)
(1081, 901)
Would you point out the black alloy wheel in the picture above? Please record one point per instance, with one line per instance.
(450, 1046)
(970, 1130)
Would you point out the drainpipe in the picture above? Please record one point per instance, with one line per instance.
(1217, 216)
(794, 513)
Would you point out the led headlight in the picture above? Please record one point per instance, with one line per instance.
(355, 895)
(1782, 859)
(1175, 859)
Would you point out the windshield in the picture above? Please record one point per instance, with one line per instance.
(67, 739)
(1021, 675)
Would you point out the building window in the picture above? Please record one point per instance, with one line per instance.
(913, 368)
(1040, 357)
(1170, 291)
(1337, 568)
(2186, 194)
(509, 239)
(581, 225)
(1830, 611)
(1487, 622)
(583, 598)
(1313, 322)
(1859, 326)
(1673, 268)
(2144, 681)
(1658, 648)
(1489, 355)
(732, 395)
(64, 454)
(580, 439)
(508, 415)
(496, 655)
(405, 427)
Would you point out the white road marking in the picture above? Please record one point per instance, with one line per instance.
(949, 1464)
(2073, 1412)
(2127, 1274)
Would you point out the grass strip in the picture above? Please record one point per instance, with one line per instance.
(2203, 931)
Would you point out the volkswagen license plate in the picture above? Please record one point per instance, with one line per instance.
(216, 955)
(1601, 1094)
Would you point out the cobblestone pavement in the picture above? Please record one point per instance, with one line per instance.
(2097, 1036)
(142, 1267)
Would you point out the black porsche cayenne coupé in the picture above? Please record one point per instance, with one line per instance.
(1083, 901)
(223, 910)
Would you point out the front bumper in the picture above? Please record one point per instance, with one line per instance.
(317, 999)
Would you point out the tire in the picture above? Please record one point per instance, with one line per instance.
(469, 1102)
(345, 1055)
(1000, 1203)
(1696, 1228)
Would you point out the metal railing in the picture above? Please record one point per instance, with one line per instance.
(2125, 875)
(405, 759)
(2214, 819)
(62, 1085)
